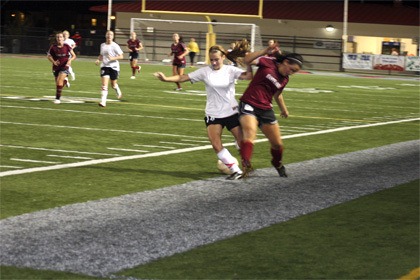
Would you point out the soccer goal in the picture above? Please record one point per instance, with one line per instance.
(156, 35)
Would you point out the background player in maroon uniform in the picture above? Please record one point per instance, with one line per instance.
(134, 46)
(256, 109)
(60, 55)
(179, 51)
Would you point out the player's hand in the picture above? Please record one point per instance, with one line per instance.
(160, 76)
(284, 114)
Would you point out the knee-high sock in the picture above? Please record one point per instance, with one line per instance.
(277, 156)
(226, 157)
(104, 95)
(247, 148)
(58, 91)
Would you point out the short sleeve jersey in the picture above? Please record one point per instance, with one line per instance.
(220, 88)
(112, 50)
(133, 45)
(62, 54)
(70, 42)
(266, 82)
(177, 50)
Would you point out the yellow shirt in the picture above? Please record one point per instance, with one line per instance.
(193, 47)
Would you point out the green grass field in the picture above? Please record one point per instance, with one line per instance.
(164, 134)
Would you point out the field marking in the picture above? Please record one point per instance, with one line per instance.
(186, 150)
(412, 275)
(127, 150)
(102, 129)
(32, 160)
(99, 113)
(55, 150)
(73, 157)
(154, 146)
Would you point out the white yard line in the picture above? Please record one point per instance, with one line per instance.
(32, 160)
(73, 157)
(61, 151)
(102, 129)
(186, 150)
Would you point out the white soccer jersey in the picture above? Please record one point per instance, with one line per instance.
(220, 88)
(112, 50)
(70, 42)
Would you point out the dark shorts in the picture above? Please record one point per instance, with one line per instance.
(179, 65)
(57, 72)
(230, 122)
(133, 56)
(108, 71)
(263, 116)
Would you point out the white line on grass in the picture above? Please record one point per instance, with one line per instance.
(74, 157)
(55, 150)
(32, 160)
(186, 150)
(127, 150)
(102, 129)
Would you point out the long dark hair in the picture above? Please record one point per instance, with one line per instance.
(293, 58)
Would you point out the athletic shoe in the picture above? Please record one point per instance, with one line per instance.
(247, 169)
(73, 76)
(101, 105)
(235, 176)
(119, 95)
(281, 170)
(138, 70)
(178, 89)
(68, 83)
(132, 77)
(57, 101)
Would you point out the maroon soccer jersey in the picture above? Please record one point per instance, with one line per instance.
(177, 50)
(133, 45)
(266, 82)
(61, 54)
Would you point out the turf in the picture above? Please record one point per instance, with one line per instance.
(152, 117)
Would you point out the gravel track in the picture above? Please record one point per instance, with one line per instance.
(105, 236)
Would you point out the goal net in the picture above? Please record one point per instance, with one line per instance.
(156, 35)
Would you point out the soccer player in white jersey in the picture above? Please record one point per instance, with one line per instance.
(221, 106)
(110, 53)
(72, 44)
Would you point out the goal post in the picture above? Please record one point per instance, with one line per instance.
(156, 35)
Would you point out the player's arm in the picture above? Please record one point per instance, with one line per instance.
(175, 79)
(248, 75)
(73, 57)
(120, 56)
(140, 47)
(100, 58)
(252, 56)
(282, 105)
(184, 53)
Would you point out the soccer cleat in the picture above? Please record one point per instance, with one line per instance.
(57, 101)
(101, 105)
(132, 77)
(68, 83)
(73, 76)
(235, 176)
(138, 69)
(281, 170)
(178, 89)
(247, 169)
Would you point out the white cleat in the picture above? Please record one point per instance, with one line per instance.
(57, 101)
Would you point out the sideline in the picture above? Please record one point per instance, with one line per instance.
(186, 150)
(103, 237)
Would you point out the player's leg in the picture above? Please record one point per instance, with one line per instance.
(104, 90)
(249, 125)
(273, 134)
(180, 72)
(59, 83)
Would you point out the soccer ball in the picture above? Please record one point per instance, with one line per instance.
(223, 168)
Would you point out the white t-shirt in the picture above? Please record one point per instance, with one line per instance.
(220, 88)
(112, 50)
(70, 42)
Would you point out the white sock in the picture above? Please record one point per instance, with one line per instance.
(117, 90)
(225, 156)
(104, 95)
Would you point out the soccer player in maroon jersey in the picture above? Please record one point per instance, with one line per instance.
(60, 55)
(256, 109)
(179, 51)
(134, 46)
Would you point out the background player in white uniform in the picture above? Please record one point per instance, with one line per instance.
(110, 66)
(72, 44)
(221, 106)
